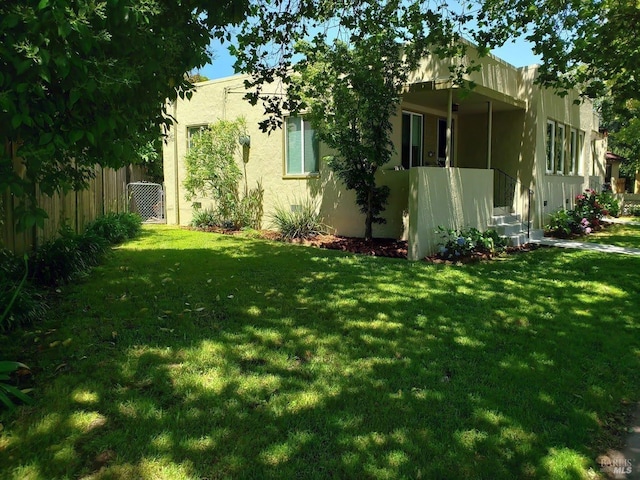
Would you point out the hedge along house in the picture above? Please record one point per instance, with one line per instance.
(507, 151)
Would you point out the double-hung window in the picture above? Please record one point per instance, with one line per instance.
(573, 151)
(301, 147)
(560, 148)
(551, 154)
(412, 134)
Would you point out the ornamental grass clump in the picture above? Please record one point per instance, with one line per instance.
(298, 221)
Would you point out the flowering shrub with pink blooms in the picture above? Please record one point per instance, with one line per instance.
(590, 208)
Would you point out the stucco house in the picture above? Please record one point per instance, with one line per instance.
(509, 152)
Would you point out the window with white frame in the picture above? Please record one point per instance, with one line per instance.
(301, 147)
(560, 148)
(551, 135)
(192, 131)
(412, 135)
(579, 167)
(573, 151)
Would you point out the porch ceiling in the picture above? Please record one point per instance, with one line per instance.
(432, 95)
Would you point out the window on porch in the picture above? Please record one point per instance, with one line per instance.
(412, 135)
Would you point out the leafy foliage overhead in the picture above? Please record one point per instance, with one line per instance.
(269, 40)
(84, 81)
(593, 45)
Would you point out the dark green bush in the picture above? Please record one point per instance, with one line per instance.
(609, 203)
(116, 227)
(20, 306)
(56, 262)
(461, 243)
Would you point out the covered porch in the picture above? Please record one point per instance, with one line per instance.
(464, 151)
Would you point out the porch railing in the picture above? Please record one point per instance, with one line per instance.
(504, 194)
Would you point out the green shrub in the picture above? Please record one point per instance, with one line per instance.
(249, 212)
(116, 227)
(609, 203)
(561, 224)
(92, 247)
(302, 221)
(590, 208)
(461, 243)
(9, 393)
(20, 302)
(56, 262)
(204, 218)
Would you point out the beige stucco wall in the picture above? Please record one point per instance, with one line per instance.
(496, 78)
(554, 191)
(449, 197)
(518, 133)
(222, 99)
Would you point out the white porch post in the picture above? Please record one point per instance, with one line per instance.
(489, 130)
(447, 162)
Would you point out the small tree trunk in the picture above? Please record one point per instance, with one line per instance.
(368, 225)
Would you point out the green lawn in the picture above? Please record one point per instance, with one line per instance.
(192, 355)
(617, 234)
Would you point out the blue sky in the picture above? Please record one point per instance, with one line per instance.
(517, 53)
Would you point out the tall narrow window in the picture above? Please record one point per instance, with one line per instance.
(412, 135)
(573, 151)
(551, 135)
(560, 148)
(579, 167)
(301, 147)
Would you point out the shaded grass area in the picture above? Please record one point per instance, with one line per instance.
(195, 355)
(621, 235)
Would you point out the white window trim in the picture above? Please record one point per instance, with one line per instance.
(552, 153)
(573, 151)
(199, 126)
(563, 139)
(411, 115)
(302, 174)
(580, 164)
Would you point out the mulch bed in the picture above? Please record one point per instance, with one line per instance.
(377, 247)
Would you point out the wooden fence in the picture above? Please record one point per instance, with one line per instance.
(107, 192)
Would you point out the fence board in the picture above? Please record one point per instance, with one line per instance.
(106, 192)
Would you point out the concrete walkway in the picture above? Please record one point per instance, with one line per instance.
(538, 238)
(621, 220)
(596, 247)
(624, 464)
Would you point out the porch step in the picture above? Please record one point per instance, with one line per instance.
(498, 211)
(508, 219)
(510, 225)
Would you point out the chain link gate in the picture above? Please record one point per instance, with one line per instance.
(147, 200)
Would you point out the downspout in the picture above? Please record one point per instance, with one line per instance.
(447, 162)
(175, 163)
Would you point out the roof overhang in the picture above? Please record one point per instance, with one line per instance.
(435, 94)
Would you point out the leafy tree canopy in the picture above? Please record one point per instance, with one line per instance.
(593, 45)
(83, 81)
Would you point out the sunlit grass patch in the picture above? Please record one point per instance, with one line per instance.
(267, 360)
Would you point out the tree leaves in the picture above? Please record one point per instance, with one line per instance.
(88, 81)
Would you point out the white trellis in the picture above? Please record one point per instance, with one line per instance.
(147, 200)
